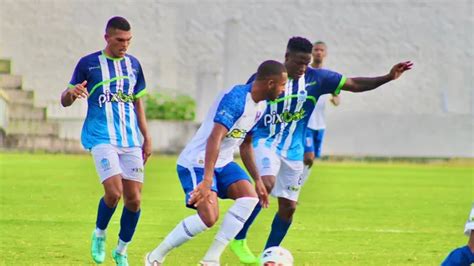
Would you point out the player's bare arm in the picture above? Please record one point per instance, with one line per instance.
(367, 84)
(248, 158)
(142, 124)
(203, 190)
(69, 95)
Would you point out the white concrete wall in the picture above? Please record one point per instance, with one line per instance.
(200, 47)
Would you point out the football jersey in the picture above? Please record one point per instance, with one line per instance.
(285, 120)
(113, 85)
(235, 110)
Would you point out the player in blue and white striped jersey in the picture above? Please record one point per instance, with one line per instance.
(207, 170)
(112, 82)
(279, 137)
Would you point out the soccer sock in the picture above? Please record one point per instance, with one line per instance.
(121, 247)
(128, 223)
(183, 232)
(243, 233)
(104, 213)
(233, 222)
(278, 232)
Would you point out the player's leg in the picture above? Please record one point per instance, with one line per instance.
(287, 188)
(463, 255)
(308, 148)
(206, 217)
(318, 142)
(234, 183)
(131, 163)
(268, 165)
(108, 167)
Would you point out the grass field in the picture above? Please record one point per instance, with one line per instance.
(349, 213)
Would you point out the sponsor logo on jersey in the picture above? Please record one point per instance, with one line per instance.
(285, 117)
(115, 97)
(237, 133)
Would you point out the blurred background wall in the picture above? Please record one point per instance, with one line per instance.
(200, 47)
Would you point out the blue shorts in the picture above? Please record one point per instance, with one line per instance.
(313, 141)
(223, 178)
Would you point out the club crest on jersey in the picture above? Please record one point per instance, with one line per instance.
(285, 117)
(115, 97)
(237, 133)
(302, 95)
(132, 78)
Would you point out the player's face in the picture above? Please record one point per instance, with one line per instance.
(118, 42)
(319, 52)
(277, 86)
(296, 63)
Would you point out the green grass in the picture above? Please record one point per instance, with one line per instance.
(349, 213)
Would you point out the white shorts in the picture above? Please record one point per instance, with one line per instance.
(111, 160)
(470, 223)
(289, 174)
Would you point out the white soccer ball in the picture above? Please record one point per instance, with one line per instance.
(278, 255)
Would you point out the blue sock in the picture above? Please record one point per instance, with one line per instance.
(243, 233)
(128, 223)
(459, 256)
(104, 213)
(278, 232)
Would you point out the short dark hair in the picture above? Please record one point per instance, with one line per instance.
(299, 44)
(319, 42)
(118, 23)
(270, 68)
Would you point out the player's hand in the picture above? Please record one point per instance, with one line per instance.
(201, 194)
(146, 149)
(335, 100)
(262, 193)
(80, 90)
(398, 69)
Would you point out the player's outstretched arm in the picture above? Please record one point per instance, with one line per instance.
(69, 95)
(143, 126)
(203, 190)
(248, 158)
(367, 84)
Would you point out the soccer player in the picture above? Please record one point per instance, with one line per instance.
(316, 124)
(463, 256)
(279, 137)
(206, 168)
(112, 82)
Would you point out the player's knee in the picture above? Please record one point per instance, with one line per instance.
(286, 212)
(112, 198)
(210, 219)
(133, 204)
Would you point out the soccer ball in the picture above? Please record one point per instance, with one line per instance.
(278, 255)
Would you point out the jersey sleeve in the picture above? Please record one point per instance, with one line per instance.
(140, 87)
(79, 74)
(332, 82)
(229, 110)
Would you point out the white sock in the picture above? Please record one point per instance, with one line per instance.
(122, 247)
(183, 232)
(99, 232)
(233, 222)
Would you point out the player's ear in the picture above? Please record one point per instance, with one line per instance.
(271, 82)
